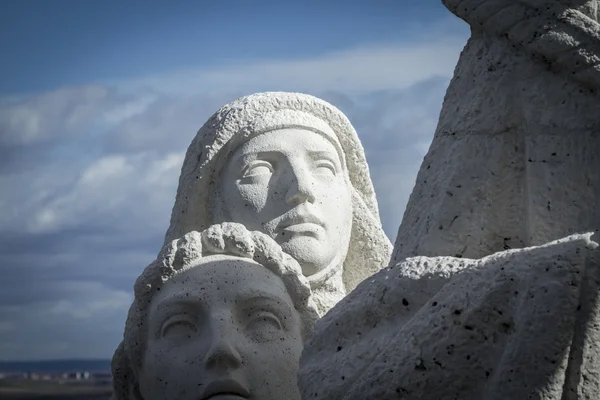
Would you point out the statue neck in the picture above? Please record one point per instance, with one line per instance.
(329, 292)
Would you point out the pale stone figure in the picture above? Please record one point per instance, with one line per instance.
(292, 166)
(218, 315)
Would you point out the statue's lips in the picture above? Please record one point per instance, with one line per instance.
(227, 389)
(303, 227)
(300, 222)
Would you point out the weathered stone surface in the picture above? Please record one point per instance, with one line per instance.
(502, 327)
(515, 160)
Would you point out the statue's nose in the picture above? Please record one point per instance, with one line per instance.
(301, 188)
(223, 352)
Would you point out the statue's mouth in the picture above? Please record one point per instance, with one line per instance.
(227, 388)
(297, 220)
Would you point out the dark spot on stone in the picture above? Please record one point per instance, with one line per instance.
(339, 348)
(506, 327)
(468, 327)
(404, 302)
(457, 312)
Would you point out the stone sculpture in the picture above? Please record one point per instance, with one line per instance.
(440, 328)
(221, 313)
(292, 166)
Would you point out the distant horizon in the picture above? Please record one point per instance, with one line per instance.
(55, 360)
(55, 366)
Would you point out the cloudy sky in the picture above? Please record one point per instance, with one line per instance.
(100, 99)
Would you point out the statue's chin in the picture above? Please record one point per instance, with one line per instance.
(311, 253)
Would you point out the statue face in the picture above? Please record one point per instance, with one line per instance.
(290, 184)
(226, 329)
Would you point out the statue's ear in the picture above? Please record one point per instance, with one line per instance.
(124, 381)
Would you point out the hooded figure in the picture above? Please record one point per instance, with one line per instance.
(290, 165)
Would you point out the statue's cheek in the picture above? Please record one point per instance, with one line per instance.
(252, 195)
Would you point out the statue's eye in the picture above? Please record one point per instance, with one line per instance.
(257, 168)
(179, 326)
(325, 167)
(264, 325)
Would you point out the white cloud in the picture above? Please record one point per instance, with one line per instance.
(98, 300)
(88, 323)
(115, 188)
(351, 71)
(129, 109)
(105, 169)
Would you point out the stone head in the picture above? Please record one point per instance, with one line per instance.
(222, 312)
(289, 165)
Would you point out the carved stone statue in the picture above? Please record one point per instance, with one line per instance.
(222, 314)
(292, 166)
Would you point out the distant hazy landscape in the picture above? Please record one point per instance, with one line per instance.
(55, 379)
(52, 366)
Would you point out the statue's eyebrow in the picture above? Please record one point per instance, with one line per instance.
(179, 302)
(324, 154)
(262, 153)
(257, 295)
(259, 300)
(245, 158)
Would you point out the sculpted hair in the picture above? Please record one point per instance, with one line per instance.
(184, 254)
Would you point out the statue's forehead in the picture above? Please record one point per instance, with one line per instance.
(286, 139)
(232, 278)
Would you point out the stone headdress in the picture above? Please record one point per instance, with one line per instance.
(369, 248)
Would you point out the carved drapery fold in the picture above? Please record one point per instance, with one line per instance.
(565, 35)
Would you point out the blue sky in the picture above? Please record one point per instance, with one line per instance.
(48, 44)
(99, 101)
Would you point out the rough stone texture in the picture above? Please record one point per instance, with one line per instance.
(515, 160)
(507, 326)
(201, 195)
